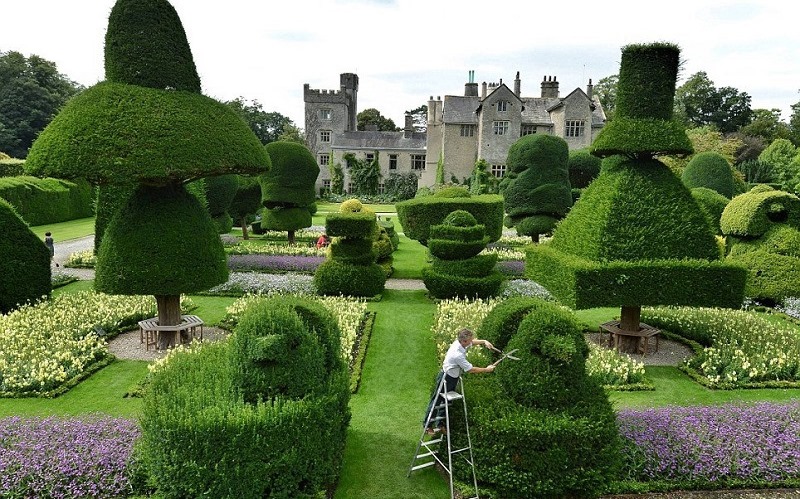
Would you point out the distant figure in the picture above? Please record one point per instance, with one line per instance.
(48, 241)
(323, 241)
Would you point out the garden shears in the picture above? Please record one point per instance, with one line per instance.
(507, 355)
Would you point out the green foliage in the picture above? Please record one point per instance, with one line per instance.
(582, 283)
(388, 225)
(419, 214)
(400, 186)
(710, 170)
(476, 266)
(501, 323)
(452, 192)
(752, 214)
(286, 219)
(645, 125)
(780, 154)
(481, 181)
(372, 116)
(145, 252)
(49, 200)
(110, 199)
(10, 167)
(355, 225)
(756, 171)
(447, 249)
(146, 46)
(583, 168)
(440, 169)
(333, 278)
(247, 199)
(772, 276)
(356, 251)
(24, 262)
(220, 191)
(268, 127)
(291, 179)
(337, 179)
(712, 203)
(460, 218)
(699, 103)
(118, 133)
(364, 176)
(460, 233)
(444, 286)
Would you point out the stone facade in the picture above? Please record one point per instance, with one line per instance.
(461, 129)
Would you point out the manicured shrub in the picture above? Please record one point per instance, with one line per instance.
(24, 262)
(11, 167)
(751, 214)
(476, 266)
(388, 226)
(711, 170)
(350, 225)
(712, 203)
(286, 219)
(452, 192)
(220, 191)
(333, 278)
(501, 323)
(44, 201)
(583, 168)
(110, 198)
(419, 214)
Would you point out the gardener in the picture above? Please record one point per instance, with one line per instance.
(455, 363)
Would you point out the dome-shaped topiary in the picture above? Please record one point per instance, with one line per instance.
(351, 206)
(711, 170)
(712, 203)
(455, 191)
(24, 261)
(292, 176)
(460, 218)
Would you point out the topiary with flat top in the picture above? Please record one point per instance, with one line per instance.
(24, 262)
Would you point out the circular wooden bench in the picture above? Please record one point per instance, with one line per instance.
(150, 332)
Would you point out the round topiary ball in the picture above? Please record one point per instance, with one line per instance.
(711, 170)
(460, 218)
(452, 192)
(351, 206)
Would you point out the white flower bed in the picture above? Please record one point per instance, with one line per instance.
(258, 282)
(270, 248)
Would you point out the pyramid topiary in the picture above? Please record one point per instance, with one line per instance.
(24, 262)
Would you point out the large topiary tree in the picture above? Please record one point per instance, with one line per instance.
(636, 236)
(539, 194)
(148, 124)
(220, 191)
(288, 188)
(24, 261)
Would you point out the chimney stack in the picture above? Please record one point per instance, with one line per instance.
(517, 85)
(483, 90)
(408, 130)
(549, 87)
(589, 89)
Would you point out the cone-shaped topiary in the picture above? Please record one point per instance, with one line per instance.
(288, 187)
(711, 170)
(539, 195)
(763, 233)
(458, 269)
(24, 262)
(636, 236)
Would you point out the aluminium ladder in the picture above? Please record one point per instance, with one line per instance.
(430, 456)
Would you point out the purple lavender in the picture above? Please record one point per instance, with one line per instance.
(65, 458)
(282, 263)
(759, 442)
(511, 267)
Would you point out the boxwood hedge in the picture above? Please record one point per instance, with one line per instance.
(419, 214)
(24, 261)
(49, 200)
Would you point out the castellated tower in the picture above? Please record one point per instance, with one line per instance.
(328, 112)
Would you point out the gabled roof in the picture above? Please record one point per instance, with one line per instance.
(537, 110)
(460, 109)
(378, 140)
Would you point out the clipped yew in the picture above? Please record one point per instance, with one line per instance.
(288, 188)
(710, 170)
(148, 125)
(24, 262)
(246, 202)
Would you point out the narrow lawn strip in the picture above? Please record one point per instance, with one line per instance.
(409, 259)
(387, 411)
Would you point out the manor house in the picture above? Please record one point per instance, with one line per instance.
(461, 128)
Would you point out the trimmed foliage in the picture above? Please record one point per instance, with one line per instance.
(712, 203)
(709, 169)
(196, 426)
(110, 198)
(334, 277)
(541, 187)
(220, 191)
(540, 427)
(109, 132)
(291, 179)
(49, 200)
(454, 191)
(751, 214)
(146, 45)
(643, 121)
(24, 262)
(419, 214)
(144, 252)
(350, 225)
(583, 168)
(289, 218)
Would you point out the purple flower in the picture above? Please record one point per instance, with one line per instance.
(511, 267)
(281, 263)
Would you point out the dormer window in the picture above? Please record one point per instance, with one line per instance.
(502, 106)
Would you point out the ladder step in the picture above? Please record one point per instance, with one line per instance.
(459, 450)
(431, 442)
(453, 396)
(420, 466)
(419, 456)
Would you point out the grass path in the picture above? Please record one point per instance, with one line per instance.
(387, 410)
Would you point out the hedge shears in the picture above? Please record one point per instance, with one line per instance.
(507, 355)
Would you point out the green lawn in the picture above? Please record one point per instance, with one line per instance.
(65, 231)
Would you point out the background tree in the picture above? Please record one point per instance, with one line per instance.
(288, 188)
(539, 195)
(606, 91)
(364, 175)
(698, 102)
(780, 155)
(767, 125)
(794, 124)
(419, 115)
(291, 133)
(372, 116)
(268, 126)
(31, 93)
(149, 124)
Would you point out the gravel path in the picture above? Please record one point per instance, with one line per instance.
(128, 345)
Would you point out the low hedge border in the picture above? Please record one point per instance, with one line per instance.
(360, 350)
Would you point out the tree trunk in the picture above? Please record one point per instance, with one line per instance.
(245, 235)
(535, 238)
(169, 314)
(291, 238)
(629, 321)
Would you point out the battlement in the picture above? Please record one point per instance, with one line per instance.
(323, 95)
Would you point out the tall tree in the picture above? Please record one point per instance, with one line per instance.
(767, 124)
(31, 93)
(794, 124)
(268, 126)
(372, 116)
(291, 133)
(419, 115)
(698, 102)
(606, 92)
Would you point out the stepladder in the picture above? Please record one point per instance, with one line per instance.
(437, 447)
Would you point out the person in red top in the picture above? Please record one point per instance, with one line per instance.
(323, 241)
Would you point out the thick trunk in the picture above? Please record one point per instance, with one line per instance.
(535, 238)
(291, 238)
(245, 235)
(629, 321)
(169, 314)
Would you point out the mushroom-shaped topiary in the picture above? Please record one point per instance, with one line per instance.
(148, 124)
(246, 202)
(288, 188)
(762, 228)
(458, 269)
(539, 194)
(24, 261)
(711, 170)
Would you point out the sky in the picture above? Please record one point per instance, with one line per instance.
(405, 51)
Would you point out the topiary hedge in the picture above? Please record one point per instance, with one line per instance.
(751, 214)
(334, 278)
(49, 200)
(24, 262)
(419, 214)
(196, 425)
(711, 170)
(583, 168)
(712, 203)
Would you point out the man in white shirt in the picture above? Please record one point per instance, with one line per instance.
(454, 365)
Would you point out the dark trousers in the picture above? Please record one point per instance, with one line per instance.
(450, 383)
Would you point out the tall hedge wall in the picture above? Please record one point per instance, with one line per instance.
(419, 214)
(45, 201)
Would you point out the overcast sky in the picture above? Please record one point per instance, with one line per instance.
(404, 51)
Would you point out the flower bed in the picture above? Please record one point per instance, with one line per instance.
(81, 259)
(240, 283)
(65, 458)
(741, 349)
(275, 263)
(713, 447)
(274, 248)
